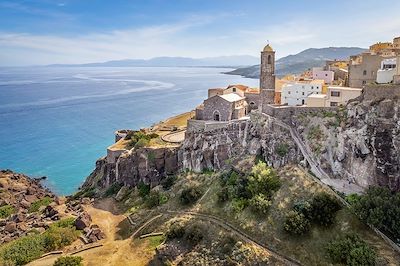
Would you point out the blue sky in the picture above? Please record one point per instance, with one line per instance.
(79, 31)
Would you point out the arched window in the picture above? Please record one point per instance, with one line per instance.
(365, 72)
(269, 59)
(216, 116)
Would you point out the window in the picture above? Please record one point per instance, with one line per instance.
(269, 59)
(365, 72)
(302, 101)
(303, 92)
(335, 93)
(234, 89)
(326, 75)
(288, 92)
(334, 104)
(364, 82)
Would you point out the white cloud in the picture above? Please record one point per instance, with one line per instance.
(190, 37)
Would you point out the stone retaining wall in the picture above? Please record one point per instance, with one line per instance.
(285, 113)
(376, 92)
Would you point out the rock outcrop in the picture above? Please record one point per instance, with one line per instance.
(201, 150)
(360, 143)
(148, 165)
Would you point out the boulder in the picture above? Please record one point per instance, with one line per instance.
(50, 211)
(83, 221)
(10, 227)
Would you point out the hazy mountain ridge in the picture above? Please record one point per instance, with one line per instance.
(165, 61)
(309, 58)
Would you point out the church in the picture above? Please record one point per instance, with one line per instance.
(236, 101)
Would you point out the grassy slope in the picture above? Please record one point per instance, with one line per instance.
(308, 249)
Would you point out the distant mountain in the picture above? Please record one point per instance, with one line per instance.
(221, 61)
(294, 64)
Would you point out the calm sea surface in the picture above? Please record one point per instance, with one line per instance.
(58, 121)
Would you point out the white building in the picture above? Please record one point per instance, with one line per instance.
(296, 93)
(387, 71)
(335, 96)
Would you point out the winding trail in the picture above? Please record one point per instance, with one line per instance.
(227, 226)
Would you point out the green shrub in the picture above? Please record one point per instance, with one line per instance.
(176, 230)
(57, 237)
(239, 204)
(23, 250)
(35, 206)
(6, 211)
(296, 223)
(168, 182)
(155, 198)
(144, 189)
(28, 248)
(282, 149)
(380, 207)
(263, 180)
(260, 204)
(64, 223)
(87, 192)
(315, 133)
(194, 234)
(142, 143)
(351, 250)
(323, 208)
(69, 261)
(190, 195)
(223, 195)
(112, 190)
(227, 244)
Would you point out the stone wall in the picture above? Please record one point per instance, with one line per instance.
(252, 98)
(370, 64)
(217, 104)
(376, 92)
(286, 113)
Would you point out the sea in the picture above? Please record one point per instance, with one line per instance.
(57, 121)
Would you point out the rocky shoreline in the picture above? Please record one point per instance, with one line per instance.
(27, 207)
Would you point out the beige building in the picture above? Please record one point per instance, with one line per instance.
(335, 96)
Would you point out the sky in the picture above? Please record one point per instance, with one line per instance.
(36, 32)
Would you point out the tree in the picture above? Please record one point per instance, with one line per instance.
(380, 208)
(296, 223)
(323, 208)
(260, 204)
(263, 180)
(190, 195)
(351, 250)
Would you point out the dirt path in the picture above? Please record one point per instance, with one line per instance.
(114, 250)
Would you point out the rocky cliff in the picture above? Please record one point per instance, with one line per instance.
(360, 143)
(204, 150)
(148, 165)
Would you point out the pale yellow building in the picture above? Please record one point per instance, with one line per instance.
(335, 96)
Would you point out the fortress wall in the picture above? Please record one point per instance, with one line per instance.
(285, 113)
(375, 92)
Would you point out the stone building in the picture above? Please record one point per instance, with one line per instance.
(363, 68)
(223, 107)
(267, 77)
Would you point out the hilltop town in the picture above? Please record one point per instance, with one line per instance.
(283, 174)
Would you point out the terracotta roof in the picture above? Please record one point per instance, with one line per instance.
(239, 86)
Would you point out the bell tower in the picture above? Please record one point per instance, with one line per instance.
(267, 77)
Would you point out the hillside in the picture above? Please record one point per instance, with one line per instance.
(294, 64)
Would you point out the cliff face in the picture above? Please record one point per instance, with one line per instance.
(362, 145)
(149, 165)
(203, 150)
(259, 136)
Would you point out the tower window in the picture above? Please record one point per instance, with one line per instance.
(269, 59)
(365, 72)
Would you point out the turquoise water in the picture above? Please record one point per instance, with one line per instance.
(58, 121)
